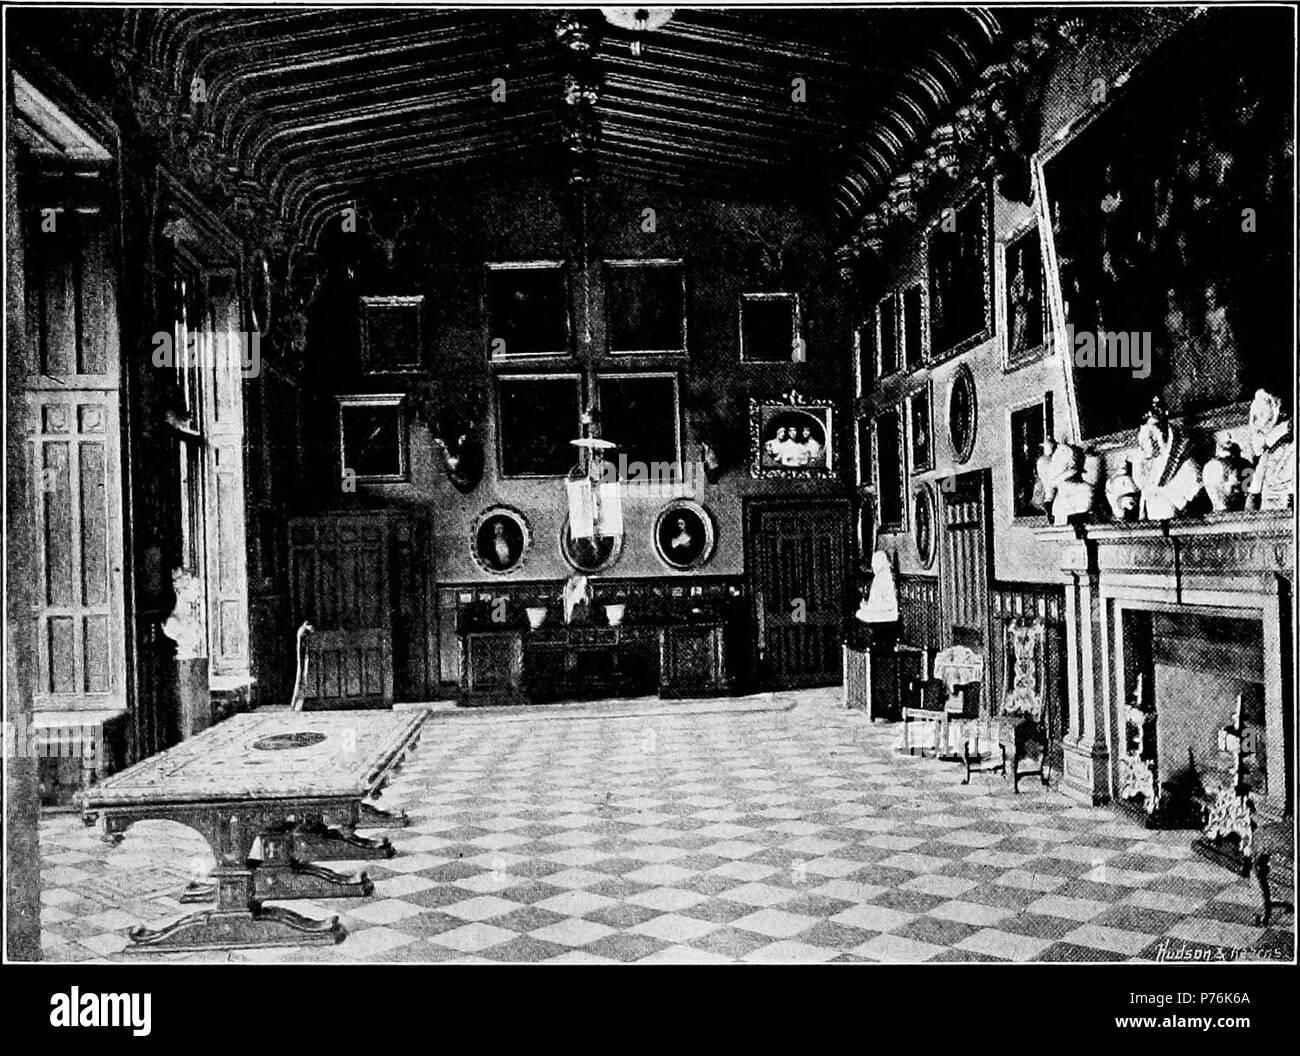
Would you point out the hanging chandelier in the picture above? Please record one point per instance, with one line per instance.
(595, 505)
(638, 21)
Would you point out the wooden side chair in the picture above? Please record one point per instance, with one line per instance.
(1020, 730)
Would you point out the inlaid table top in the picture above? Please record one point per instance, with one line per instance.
(268, 755)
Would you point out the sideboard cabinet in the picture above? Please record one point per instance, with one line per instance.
(553, 663)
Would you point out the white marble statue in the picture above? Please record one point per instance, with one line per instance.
(185, 624)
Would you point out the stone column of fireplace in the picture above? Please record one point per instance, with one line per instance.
(1086, 749)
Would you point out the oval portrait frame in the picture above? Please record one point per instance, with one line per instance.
(923, 503)
(708, 544)
(961, 430)
(610, 560)
(525, 531)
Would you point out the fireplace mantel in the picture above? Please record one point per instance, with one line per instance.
(1227, 544)
(1240, 564)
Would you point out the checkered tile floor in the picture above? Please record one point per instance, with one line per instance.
(779, 835)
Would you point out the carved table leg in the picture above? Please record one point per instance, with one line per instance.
(198, 891)
(1261, 876)
(315, 841)
(372, 817)
(295, 879)
(285, 871)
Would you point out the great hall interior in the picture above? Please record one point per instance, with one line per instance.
(743, 484)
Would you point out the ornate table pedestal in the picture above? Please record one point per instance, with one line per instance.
(293, 785)
(239, 919)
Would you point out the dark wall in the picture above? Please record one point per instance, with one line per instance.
(520, 217)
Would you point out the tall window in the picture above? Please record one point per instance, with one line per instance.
(188, 335)
(207, 421)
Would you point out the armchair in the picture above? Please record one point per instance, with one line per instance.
(949, 702)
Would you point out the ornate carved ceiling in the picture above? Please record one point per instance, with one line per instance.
(293, 113)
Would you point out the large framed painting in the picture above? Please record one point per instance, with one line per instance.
(1030, 427)
(792, 438)
(920, 429)
(1025, 321)
(527, 310)
(914, 326)
(392, 334)
(373, 438)
(641, 414)
(960, 276)
(769, 328)
(891, 476)
(645, 307)
(538, 415)
(1167, 219)
(887, 359)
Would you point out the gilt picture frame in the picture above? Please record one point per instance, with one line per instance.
(920, 429)
(959, 275)
(770, 328)
(791, 438)
(891, 471)
(391, 334)
(1024, 319)
(526, 313)
(373, 438)
(499, 539)
(537, 417)
(645, 307)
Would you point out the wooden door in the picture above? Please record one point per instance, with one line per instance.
(74, 449)
(797, 554)
(339, 578)
(964, 572)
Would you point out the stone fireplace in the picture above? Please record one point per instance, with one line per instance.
(1168, 625)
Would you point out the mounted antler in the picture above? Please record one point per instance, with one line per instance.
(387, 226)
(771, 250)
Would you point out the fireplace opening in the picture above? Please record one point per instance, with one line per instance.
(1193, 671)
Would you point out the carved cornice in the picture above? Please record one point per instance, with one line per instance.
(989, 130)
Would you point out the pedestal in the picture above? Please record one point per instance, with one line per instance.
(1085, 773)
(193, 697)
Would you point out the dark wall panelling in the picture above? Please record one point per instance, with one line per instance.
(919, 611)
(921, 614)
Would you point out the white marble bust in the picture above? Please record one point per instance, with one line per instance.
(1167, 477)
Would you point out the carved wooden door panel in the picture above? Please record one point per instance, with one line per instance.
(798, 561)
(339, 578)
(75, 469)
(964, 573)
